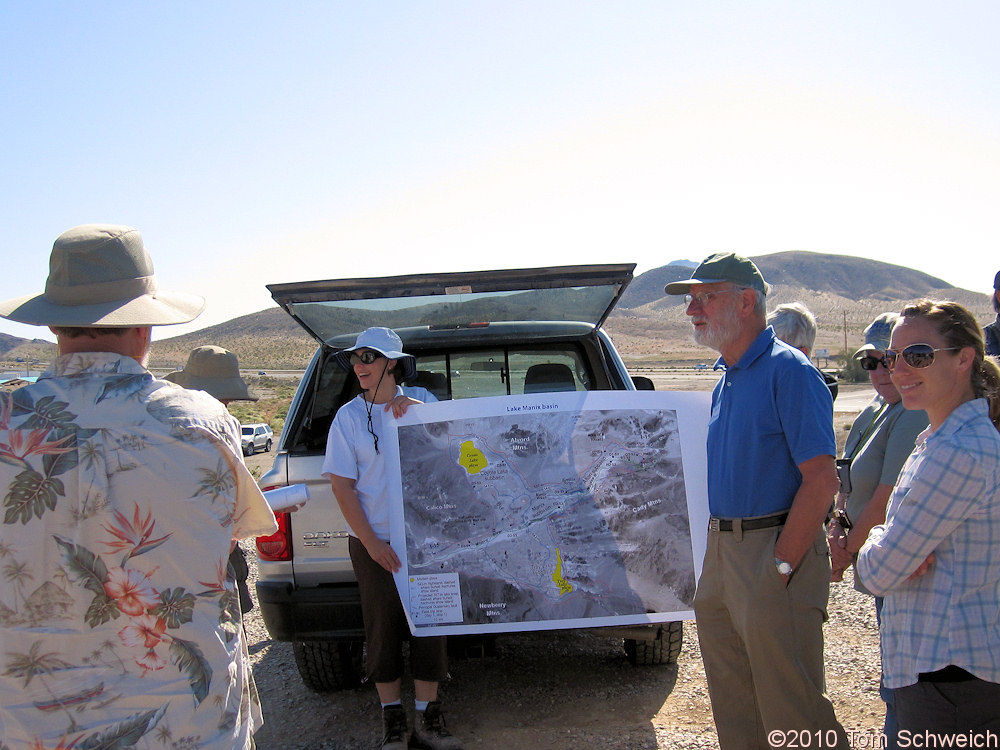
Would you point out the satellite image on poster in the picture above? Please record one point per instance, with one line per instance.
(550, 511)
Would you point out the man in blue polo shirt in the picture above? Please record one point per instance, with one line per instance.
(762, 595)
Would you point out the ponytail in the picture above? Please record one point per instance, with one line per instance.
(986, 384)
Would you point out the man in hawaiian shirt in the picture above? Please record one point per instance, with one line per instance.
(122, 495)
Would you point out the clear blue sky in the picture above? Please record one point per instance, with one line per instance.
(256, 142)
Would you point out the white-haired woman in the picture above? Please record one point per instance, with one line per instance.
(796, 326)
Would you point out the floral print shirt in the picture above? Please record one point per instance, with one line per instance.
(118, 625)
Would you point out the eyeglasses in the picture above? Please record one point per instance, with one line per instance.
(366, 357)
(703, 298)
(870, 364)
(917, 356)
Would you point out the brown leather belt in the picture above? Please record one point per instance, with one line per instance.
(747, 524)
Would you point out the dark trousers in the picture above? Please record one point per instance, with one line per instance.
(949, 707)
(890, 729)
(240, 571)
(386, 628)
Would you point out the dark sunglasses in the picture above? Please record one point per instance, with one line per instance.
(870, 363)
(916, 356)
(366, 357)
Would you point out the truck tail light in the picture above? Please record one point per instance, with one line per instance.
(277, 547)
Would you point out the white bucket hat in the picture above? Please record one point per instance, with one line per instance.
(385, 342)
(216, 371)
(100, 275)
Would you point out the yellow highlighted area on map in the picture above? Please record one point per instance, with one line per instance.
(564, 586)
(472, 458)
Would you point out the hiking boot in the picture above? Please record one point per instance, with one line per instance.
(394, 719)
(430, 733)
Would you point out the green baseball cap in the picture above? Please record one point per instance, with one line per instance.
(722, 267)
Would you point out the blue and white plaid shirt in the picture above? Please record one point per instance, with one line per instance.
(946, 501)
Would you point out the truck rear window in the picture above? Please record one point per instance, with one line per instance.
(501, 371)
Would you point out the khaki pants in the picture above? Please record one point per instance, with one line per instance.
(762, 642)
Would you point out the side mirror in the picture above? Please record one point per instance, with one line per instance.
(642, 383)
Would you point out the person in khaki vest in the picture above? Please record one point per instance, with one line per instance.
(217, 372)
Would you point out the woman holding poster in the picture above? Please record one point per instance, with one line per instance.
(355, 466)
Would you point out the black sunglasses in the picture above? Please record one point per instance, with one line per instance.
(870, 363)
(366, 357)
(916, 356)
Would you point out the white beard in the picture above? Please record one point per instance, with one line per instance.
(720, 331)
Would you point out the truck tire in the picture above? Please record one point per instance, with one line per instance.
(329, 665)
(664, 649)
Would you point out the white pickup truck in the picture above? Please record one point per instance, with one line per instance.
(489, 333)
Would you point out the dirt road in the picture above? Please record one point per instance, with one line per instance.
(562, 691)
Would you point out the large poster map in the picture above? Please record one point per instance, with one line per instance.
(550, 511)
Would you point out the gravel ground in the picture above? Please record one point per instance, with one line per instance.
(564, 690)
(561, 691)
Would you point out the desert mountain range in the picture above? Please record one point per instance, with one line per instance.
(843, 292)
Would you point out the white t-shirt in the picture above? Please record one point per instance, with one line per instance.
(350, 453)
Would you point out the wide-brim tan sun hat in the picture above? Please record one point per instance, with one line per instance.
(216, 371)
(100, 275)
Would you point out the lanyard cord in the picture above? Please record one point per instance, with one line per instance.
(868, 430)
(369, 406)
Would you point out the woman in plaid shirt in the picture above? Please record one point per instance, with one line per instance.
(936, 560)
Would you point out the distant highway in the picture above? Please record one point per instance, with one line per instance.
(853, 398)
(297, 374)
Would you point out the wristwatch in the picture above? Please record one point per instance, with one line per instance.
(784, 568)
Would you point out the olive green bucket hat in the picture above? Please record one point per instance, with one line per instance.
(216, 371)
